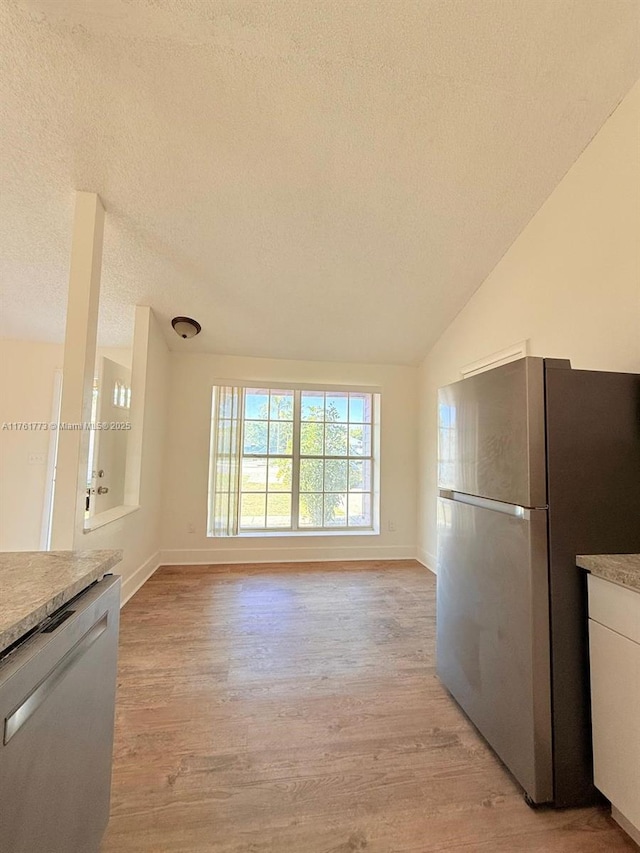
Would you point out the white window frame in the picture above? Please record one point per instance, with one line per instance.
(295, 529)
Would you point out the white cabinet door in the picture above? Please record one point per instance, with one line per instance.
(615, 695)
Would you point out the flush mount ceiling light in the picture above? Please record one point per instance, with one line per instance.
(186, 327)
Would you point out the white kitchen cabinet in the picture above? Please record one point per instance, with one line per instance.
(614, 642)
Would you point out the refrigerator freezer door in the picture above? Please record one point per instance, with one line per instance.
(491, 434)
(493, 632)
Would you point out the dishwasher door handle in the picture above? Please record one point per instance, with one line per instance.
(17, 718)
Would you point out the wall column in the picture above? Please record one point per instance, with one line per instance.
(78, 369)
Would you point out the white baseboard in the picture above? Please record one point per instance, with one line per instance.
(133, 583)
(220, 556)
(266, 554)
(428, 560)
(631, 830)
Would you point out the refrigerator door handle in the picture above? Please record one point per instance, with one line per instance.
(486, 503)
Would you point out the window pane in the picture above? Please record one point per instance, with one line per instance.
(311, 471)
(279, 475)
(280, 437)
(310, 512)
(335, 510)
(281, 406)
(252, 510)
(337, 406)
(312, 405)
(335, 475)
(359, 475)
(278, 510)
(335, 441)
(359, 510)
(254, 475)
(359, 440)
(360, 408)
(256, 403)
(311, 439)
(255, 437)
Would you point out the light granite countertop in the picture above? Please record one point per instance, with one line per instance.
(34, 584)
(623, 569)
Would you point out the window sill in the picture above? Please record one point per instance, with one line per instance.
(106, 517)
(277, 534)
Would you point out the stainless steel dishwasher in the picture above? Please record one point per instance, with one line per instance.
(57, 701)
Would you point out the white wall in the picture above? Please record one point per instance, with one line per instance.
(187, 461)
(570, 284)
(138, 533)
(27, 370)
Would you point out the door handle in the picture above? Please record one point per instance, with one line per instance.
(102, 490)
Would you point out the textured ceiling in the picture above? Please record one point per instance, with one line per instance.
(320, 179)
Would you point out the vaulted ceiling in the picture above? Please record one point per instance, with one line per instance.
(318, 179)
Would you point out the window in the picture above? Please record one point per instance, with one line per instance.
(121, 395)
(289, 459)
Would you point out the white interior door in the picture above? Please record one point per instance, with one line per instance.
(110, 445)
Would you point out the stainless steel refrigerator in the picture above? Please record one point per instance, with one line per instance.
(536, 463)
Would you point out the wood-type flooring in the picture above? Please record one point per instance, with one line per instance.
(295, 708)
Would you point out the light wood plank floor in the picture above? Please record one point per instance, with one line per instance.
(296, 709)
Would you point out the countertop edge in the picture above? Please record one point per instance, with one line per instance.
(621, 569)
(10, 635)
